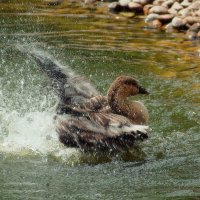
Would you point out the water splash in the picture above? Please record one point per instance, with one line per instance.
(27, 110)
(32, 131)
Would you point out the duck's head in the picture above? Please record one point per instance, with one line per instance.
(126, 86)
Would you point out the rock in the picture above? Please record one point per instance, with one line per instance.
(197, 13)
(191, 35)
(192, 20)
(169, 28)
(172, 11)
(89, 1)
(114, 7)
(195, 28)
(198, 35)
(151, 17)
(158, 10)
(158, 2)
(135, 7)
(136, 1)
(168, 3)
(124, 3)
(194, 6)
(185, 3)
(155, 24)
(177, 6)
(184, 12)
(146, 8)
(127, 14)
(145, 2)
(166, 18)
(178, 23)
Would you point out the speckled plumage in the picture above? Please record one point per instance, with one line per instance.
(92, 122)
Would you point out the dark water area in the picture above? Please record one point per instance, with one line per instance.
(99, 46)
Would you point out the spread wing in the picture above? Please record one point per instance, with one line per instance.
(99, 131)
(70, 88)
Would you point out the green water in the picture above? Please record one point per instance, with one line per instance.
(34, 165)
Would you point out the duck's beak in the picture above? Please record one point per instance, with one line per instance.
(142, 90)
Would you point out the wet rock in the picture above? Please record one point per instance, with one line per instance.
(185, 3)
(168, 3)
(176, 6)
(175, 15)
(158, 2)
(172, 11)
(142, 2)
(195, 28)
(178, 23)
(151, 17)
(124, 3)
(135, 7)
(169, 28)
(166, 18)
(145, 2)
(194, 6)
(155, 24)
(197, 13)
(159, 10)
(146, 8)
(184, 12)
(115, 7)
(192, 20)
(89, 1)
(191, 35)
(198, 35)
(136, 1)
(193, 31)
(127, 14)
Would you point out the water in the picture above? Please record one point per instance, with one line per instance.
(34, 165)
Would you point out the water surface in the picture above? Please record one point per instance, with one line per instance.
(34, 165)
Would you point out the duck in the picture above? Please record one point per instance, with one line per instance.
(90, 121)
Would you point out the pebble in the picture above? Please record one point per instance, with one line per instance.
(124, 3)
(151, 17)
(158, 10)
(176, 6)
(114, 7)
(168, 3)
(156, 24)
(178, 23)
(184, 12)
(165, 18)
(185, 3)
(135, 7)
(146, 8)
(173, 15)
(194, 31)
(191, 20)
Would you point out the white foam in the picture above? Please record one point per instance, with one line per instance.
(33, 131)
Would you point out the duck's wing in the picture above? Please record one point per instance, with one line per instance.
(70, 88)
(100, 132)
(95, 104)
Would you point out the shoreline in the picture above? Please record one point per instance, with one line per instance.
(169, 15)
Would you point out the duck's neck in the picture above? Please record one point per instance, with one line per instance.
(134, 110)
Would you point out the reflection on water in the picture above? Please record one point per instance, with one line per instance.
(35, 165)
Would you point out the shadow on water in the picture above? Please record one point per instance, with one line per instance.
(34, 165)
